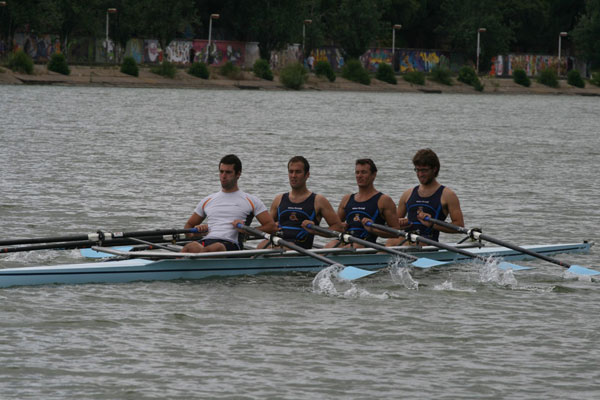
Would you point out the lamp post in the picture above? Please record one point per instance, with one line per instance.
(108, 12)
(479, 32)
(212, 16)
(304, 23)
(560, 36)
(397, 26)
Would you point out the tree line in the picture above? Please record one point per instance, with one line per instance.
(531, 26)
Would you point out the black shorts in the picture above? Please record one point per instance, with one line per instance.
(229, 246)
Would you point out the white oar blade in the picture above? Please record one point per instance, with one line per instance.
(506, 266)
(352, 273)
(91, 253)
(579, 270)
(427, 263)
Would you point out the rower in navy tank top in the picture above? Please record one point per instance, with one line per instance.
(431, 205)
(290, 217)
(357, 210)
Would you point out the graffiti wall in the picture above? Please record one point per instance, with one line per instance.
(420, 60)
(81, 50)
(135, 49)
(220, 52)
(106, 51)
(152, 52)
(532, 64)
(374, 57)
(178, 51)
(39, 48)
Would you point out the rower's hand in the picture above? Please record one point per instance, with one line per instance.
(421, 217)
(404, 223)
(305, 224)
(202, 228)
(236, 223)
(364, 222)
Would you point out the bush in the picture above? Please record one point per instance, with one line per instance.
(441, 74)
(385, 73)
(58, 63)
(575, 79)
(262, 69)
(520, 77)
(354, 71)
(416, 77)
(548, 77)
(293, 76)
(231, 71)
(595, 78)
(469, 76)
(199, 70)
(165, 69)
(323, 68)
(130, 67)
(20, 62)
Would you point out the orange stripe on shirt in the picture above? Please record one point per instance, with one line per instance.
(251, 203)
(205, 203)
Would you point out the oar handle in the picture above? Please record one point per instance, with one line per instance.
(280, 242)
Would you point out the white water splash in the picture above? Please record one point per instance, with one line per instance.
(400, 273)
(491, 273)
(449, 286)
(329, 283)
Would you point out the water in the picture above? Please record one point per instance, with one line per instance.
(75, 160)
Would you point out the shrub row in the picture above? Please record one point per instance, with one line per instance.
(468, 75)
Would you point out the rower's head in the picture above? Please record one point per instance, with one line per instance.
(365, 172)
(230, 169)
(298, 172)
(426, 162)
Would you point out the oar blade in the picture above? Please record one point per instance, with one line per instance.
(515, 267)
(352, 273)
(91, 253)
(579, 270)
(427, 263)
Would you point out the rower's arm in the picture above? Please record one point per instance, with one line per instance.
(450, 199)
(325, 209)
(267, 224)
(192, 222)
(388, 211)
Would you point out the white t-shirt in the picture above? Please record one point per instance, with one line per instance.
(222, 208)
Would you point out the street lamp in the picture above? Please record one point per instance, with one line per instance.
(560, 36)
(108, 12)
(304, 23)
(212, 16)
(397, 26)
(479, 31)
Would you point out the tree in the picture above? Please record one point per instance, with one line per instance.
(587, 32)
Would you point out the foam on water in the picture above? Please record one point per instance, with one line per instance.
(490, 273)
(328, 282)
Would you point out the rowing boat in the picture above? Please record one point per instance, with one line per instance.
(164, 265)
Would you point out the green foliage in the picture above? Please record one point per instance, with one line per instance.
(385, 73)
(20, 62)
(354, 71)
(520, 77)
(354, 24)
(262, 69)
(58, 63)
(415, 77)
(595, 78)
(130, 67)
(441, 74)
(166, 69)
(293, 76)
(199, 70)
(548, 77)
(323, 68)
(586, 32)
(575, 79)
(469, 76)
(231, 71)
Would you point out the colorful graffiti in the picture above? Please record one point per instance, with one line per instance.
(220, 52)
(135, 49)
(374, 57)
(330, 54)
(152, 52)
(497, 68)
(178, 51)
(532, 64)
(39, 48)
(420, 60)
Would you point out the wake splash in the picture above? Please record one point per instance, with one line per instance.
(491, 273)
(328, 283)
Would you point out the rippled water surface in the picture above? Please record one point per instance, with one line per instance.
(75, 160)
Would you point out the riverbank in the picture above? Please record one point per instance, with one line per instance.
(112, 77)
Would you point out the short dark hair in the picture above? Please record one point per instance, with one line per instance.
(302, 160)
(232, 159)
(369, 162)
(428, 158)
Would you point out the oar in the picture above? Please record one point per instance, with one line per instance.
(416, 238)
(348, 273)
(421, 262)
(476, 235)
(96, 236)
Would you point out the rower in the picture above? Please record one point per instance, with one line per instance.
(428, 199)
(224, 210)
(368, 204)
(300, 206)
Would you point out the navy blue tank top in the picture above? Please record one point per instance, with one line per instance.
(356, 211)
(290, 216)
(431, 205)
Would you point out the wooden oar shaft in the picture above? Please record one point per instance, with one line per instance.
(96, 236)
(476, 235)
(278, 241)
(344, 237)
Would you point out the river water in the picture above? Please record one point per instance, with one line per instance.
(75, 160)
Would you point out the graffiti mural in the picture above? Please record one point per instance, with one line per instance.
(532, 64)
(374, 57)
(105, 51)
(220, 52)
(330, 54)
(281, 58)
(178, 51)
(39, 48)
(152, 52)
(135, 49)
(420, 60)
(497, 66)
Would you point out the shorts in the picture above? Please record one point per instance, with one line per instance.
(229, 246)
